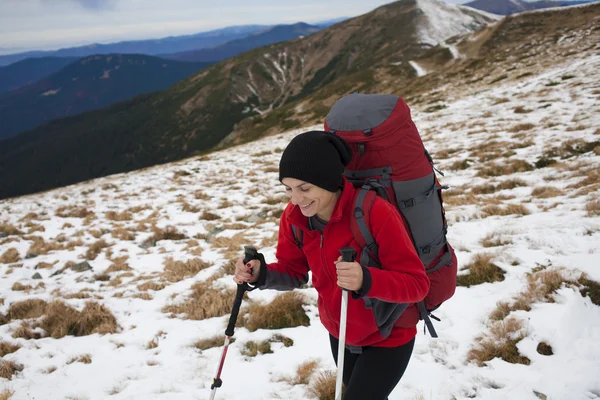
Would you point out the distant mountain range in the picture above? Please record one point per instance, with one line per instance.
(507, 7)
(238, 99)
(279, 33)
(31, 70)
(87, 84)
(172, 44)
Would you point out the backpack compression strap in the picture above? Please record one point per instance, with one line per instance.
(298, 236)
(363, 202)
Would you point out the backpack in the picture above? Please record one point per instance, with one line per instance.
(390, 161)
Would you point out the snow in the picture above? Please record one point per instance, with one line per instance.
(443, 21)
(420, 71)
(123, 367)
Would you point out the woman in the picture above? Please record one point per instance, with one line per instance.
(377, 352)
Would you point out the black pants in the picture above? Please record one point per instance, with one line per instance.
(373, 374)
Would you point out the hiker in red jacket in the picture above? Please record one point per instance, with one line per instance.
(377, 351)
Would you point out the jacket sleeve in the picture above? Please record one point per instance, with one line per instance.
(291, 269)
(402, 277)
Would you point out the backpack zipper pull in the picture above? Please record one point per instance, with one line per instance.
(321, 240)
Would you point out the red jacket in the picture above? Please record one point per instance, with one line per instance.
(401, 279)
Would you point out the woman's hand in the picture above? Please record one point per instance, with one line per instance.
(246, 272)
(349, 274)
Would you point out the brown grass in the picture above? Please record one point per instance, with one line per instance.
(323, 387)
(168, 233)
(208, 216)
(510, 209)
(285, 311)
(482, 270)
(6, 394)
(521, 127)
(117, 267)
(510, 167)
(204, 302)
(122, 234)
(501, 342)
(74, 212)
(200, 195)
(521, 110)
(96, 248)
(495, 240)
(176, 271)
(151, 286)
(593, 208)
(8, 348)
(32, 308)
(544, 349)
(209, 343)
(544, 192)
(10, 256)
(9, 368)
(252, 349)
(303, 373)
(17, 286)
(9, 229)
(231, 244)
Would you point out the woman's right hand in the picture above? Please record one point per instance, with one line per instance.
(246, 272)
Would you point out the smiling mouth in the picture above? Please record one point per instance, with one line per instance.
(307, 205)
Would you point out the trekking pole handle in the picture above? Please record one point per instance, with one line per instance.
(348, 254)
(250, 253)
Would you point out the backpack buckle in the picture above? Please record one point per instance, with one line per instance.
(407, 203)
(358, 212)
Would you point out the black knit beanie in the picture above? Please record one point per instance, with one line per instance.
(316, 157)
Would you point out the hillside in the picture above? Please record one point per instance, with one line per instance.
(265, 90)
(87, 84)
(278, 33)
(29, 71)
(145, 317)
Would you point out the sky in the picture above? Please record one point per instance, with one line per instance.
(52, 24)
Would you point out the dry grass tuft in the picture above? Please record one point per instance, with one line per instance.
(544, 192)
(231, 244)
(151, 286)
(482, 270)
(544, 349)
(168, 233)
(84, 359)
(9, 229)
(9, 368)
(118, 267)
(122, 216)
(323, 387)
(176, 271)
(61, 320)
(208, 216)
(74, 212)
(32, 308)
(209, 343)
(200, 195)
(510, 209)
(501, 342)
(96, 248)
(6, 394)
(593, 208)
(286, 311)
(10, 256)
(122, 234)
(303, 373)
(495, 240)
(8, 348)
(204, 302)
(17, 286)
(252, 349)
(521, 127)
(510, 167)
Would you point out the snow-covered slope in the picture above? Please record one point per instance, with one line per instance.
(522, 216)
(440, 21)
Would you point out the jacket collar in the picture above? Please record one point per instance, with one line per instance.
(296, 217)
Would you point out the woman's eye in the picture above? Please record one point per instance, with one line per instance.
(304, 189)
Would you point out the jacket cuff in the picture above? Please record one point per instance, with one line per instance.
(366, 284)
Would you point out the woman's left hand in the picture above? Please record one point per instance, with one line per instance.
(349, 274)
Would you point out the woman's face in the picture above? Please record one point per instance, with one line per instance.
(311, 199)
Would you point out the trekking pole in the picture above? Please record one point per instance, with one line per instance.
(250, 254)
(348, 255)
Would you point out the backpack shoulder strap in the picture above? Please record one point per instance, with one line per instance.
(298, 236)
(360, 225)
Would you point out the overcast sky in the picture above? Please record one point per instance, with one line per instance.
(51, 24)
